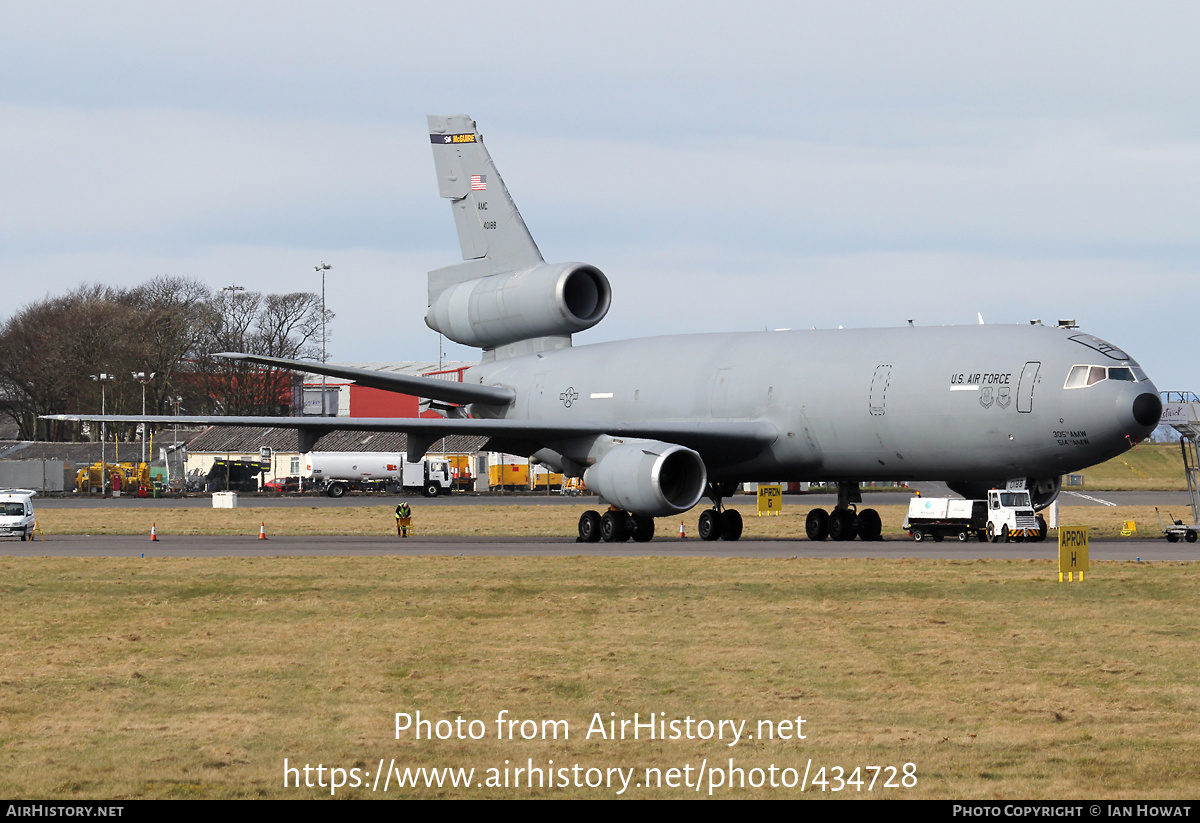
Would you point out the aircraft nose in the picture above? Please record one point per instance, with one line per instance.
(1147, 410)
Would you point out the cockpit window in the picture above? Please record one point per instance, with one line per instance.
(1082, 376)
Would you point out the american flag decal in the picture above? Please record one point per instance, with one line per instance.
(478, 182)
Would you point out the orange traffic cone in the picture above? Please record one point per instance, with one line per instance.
(682, 534)
(262, 530)
(153, 533)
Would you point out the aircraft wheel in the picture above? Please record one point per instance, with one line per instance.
(843, 525)
(816, 525)
(711, 524)
(336, 490)
(643, 528)
(431, 490)
(612, 527)
(1191, 536)
(919, 536)
(872, 526)
(589, 527)
(1172, 537)
(732, 527)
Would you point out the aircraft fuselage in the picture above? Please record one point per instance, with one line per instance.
(910, 403)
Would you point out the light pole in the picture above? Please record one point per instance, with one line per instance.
(142, 378)
(324, 267)
(175, 401)
(102, 379)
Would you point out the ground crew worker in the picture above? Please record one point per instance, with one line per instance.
(403, 513)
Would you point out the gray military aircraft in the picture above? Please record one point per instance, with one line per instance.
(653, 425)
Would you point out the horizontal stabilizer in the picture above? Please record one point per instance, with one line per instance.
(430, 388)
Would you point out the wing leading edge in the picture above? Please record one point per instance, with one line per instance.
(423, 432)
(432, 389)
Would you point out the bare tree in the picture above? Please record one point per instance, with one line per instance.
(170, 327)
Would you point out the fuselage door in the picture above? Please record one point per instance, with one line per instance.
(1025, 387)
(879, 387)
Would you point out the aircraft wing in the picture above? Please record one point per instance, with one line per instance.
(423, 432)
(433, 389)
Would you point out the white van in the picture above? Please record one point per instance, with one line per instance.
(16, 513)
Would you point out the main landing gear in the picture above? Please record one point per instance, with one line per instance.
(720, 523)
(614, 526)
(844, 522)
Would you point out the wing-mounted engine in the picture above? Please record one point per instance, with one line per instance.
(648, 477)
(541, 301)
(1042, 490)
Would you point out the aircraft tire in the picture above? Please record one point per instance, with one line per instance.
(612, 527)
(711, 524)
(816, 525)
(589, 527)
(871, 525)
(1191, 536)
(731, 528)
(643, 528)
(842, 525)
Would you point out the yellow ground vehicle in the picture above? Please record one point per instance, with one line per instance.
(508, 475)
(122, 477)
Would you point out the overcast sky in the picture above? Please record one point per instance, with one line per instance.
(728, 166)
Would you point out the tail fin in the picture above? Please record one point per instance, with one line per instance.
(493, 236)
(504, 299)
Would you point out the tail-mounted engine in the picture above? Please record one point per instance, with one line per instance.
(540, 301)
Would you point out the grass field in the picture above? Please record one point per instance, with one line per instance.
(198, 677)
(1146, 467)
(498, 520)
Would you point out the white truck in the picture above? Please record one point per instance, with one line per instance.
(1005, 515)
(16, 513)
(340, 472)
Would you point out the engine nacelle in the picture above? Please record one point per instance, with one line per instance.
(1042, 491)
(650, 478)
(540, 301)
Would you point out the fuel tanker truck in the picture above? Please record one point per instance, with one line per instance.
(339, 472)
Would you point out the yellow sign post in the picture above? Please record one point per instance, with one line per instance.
(1072, 552)
(770, 499)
